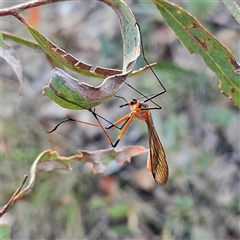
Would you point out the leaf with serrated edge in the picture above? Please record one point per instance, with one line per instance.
(197, 39)
(50, 160)
(68, 93)
(101, 158)
(66, 59)
(100, 71)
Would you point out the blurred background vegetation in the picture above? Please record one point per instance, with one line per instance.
(198, 127)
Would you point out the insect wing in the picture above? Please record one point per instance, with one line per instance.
(156, 162)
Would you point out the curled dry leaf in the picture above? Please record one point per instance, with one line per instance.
(50, 160)
(65, 59)
(10, 56)
(68, 93)
(101, 158)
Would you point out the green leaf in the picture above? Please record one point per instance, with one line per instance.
(131, 44)
(233, 8)
(65, 90)
(66, 59)
(5, 232)
(68, 93)
(3, 44)
(21, 41)
(130, 33)
(98, 70)
(198, 40)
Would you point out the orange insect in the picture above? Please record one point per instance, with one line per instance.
(156, 162)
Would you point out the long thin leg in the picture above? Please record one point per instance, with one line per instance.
(74, 120)
(126, 125)
(151, 108)
(127, 118)
(143, 55)
(118, 122)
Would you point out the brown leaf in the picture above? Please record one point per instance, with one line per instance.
(50, 160)
(101, 158)
(10, 56)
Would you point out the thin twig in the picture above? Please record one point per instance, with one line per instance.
(24, 6)
(12, 199)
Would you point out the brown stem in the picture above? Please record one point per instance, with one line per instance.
(21, 7)
(12, 200)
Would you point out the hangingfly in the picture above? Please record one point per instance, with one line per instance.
(156, 162)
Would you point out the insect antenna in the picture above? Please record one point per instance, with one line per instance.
(142, 94)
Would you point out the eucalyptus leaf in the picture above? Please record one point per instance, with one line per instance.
(198, 40)
(68, 93)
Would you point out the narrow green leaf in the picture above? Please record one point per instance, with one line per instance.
(198, 40)
(2, 42)
(60, 56)
(97, 70)
(5, 232)
(131, 44)
(21, 41)
(233, 8)
(130, 34)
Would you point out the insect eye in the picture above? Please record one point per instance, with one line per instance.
(144, 105)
